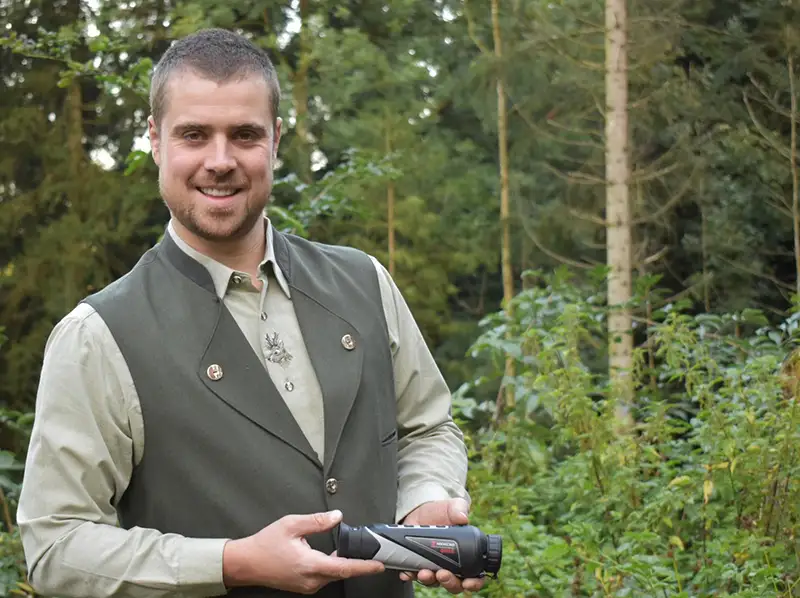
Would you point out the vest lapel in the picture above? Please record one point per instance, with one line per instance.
(228, 349)
(337, 361)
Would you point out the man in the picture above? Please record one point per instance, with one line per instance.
(204, 423)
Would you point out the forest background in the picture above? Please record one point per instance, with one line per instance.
(593, 210)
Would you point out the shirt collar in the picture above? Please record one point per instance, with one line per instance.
(221, 274)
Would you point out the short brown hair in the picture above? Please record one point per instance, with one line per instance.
(216, 54)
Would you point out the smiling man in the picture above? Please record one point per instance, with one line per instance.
(205, 422)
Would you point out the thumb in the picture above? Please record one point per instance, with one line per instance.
(313, 523)
(458, 510)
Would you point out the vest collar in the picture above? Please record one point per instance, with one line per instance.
(197, 272)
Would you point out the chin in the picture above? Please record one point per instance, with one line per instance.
(218, 227)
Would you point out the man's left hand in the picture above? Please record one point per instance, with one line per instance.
(442, 512)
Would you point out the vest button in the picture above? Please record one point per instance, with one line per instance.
(331, 485)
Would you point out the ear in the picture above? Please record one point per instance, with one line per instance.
(155, 140)
(276, 137)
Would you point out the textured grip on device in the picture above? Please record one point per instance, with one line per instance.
(394, 556)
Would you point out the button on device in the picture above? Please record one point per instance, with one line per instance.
(331, 485)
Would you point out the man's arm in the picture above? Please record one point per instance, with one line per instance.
(86, 438)
(432, 456)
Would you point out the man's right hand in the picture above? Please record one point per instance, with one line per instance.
(279, 557)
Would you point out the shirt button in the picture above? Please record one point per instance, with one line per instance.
(263, 316)
(237, 279)
(331, 485)
(289, 386)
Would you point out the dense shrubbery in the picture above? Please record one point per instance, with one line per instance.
(697, 498)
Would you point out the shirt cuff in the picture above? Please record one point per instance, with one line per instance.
(410, 499)
(200, 567)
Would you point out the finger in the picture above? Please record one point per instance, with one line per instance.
(449, 582)
(473, 584)
(427, 577)
(458, 511)
(407, 576)
(335, 567)
(300, 525)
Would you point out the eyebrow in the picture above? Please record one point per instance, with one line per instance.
(181, 128)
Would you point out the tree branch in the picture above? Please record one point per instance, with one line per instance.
(769, 277)
(574, 177)
(544, 133)
(653, 258)
(773, 105)
(541, 247)
(592, 66)
(587, 217)
(764, 132)
(669, 204)
(649, 176)
(471, 30)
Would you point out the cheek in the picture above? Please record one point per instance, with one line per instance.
(180, 164)
(257, 166)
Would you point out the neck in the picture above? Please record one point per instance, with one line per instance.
(243, 253)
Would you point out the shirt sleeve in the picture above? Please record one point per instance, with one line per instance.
(432, 458)
(84, 443)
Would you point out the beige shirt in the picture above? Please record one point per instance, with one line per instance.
(88, 436)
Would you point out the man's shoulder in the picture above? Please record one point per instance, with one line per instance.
(127, 284)
(298, 242)
(343, 255)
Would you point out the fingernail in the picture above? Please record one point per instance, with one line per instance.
(335, 514)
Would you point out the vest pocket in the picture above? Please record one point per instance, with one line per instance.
(390, 438)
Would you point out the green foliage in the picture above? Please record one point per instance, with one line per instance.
(13, 570)
(698, 498)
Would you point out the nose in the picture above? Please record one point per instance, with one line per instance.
(219, 159)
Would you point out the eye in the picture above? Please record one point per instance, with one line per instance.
(247, 135)
(192, 136)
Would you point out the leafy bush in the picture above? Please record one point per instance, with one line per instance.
(698, 497)
(13, 572)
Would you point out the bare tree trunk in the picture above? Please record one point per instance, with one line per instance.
(73, 111)
(704, 246)
(523, 266)
(505, 219)
(390, 201)
(618, 234)
(300, 96)
(78, 205)
(795, 190)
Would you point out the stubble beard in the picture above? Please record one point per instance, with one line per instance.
(217, 225)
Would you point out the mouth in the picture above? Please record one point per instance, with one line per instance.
(219, 192)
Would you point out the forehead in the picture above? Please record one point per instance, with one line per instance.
(192, 97)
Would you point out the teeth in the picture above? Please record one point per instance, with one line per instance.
(218, 192)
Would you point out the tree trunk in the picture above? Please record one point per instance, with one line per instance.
(73, 112)
(505, 219)
(704, 248)
(795, 190)
(390, 201)
(618, 221)
(300, 97)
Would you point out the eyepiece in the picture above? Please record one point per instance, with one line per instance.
(494, 553)
(356, 543)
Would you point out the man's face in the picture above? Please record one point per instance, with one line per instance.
(215, 149)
